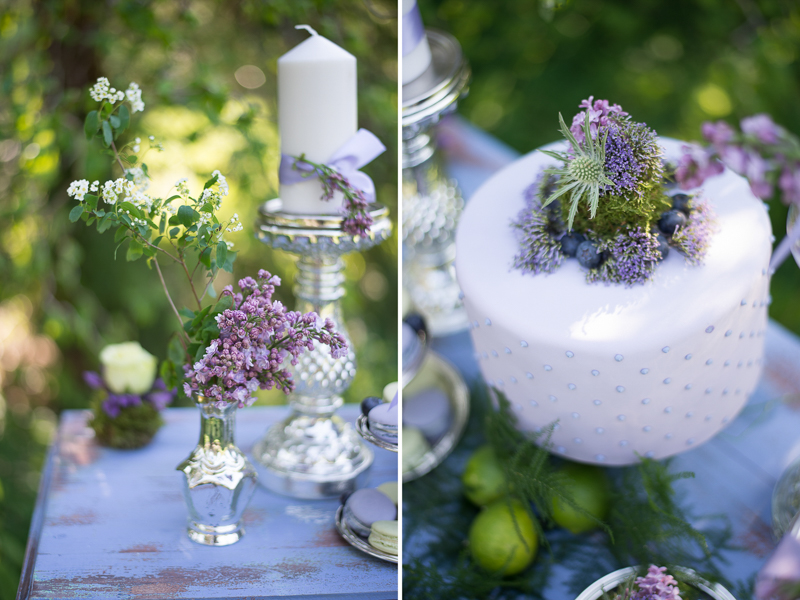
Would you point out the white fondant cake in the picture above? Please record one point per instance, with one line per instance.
(652, 369)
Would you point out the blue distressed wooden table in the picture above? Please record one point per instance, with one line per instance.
(110, 524)
(735, 472)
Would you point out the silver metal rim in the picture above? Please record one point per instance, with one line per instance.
(362, 426)
(612, 580)
(447, 59)
(358, 542)
(459, 399)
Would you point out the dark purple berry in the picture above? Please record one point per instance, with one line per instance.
(570, 243)
(663, 246)
(671, 220)
(681, 202)
(368, 403)
(587, 255)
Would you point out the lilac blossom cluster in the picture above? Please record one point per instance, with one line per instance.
(538, 231)
(694, 238)
(355, 208)
(763, 152)
(601, 115)
(656, 585)
(635, 254)
(256, 336)
(159, 396)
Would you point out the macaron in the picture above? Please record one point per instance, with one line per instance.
(384, 536)
(430, 412)
(383, 422)
(390, 391)
(390, 489)
(415, 447)
(364, 507)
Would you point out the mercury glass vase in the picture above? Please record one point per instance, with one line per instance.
(218, 480)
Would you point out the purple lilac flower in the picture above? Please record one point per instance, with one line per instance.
(635, 254)
(256, 337)
(158, 396)
(694, 238)
(114, 403)
(789, 183)
(656, 585)
(601, 114)
(720, 134)
(538, 231)
(762, 128)
(695, 166)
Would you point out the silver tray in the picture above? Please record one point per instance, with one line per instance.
(438, 372)
(362, 426)
(612, 580)
(358, 542)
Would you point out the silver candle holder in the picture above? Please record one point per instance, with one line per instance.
(314, 453)
(432, 203)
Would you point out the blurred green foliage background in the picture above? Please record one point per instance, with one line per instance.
(62, 294)
(670, 63)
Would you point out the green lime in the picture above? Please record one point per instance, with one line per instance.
(484, 480)
(588, 487)
(503, 537)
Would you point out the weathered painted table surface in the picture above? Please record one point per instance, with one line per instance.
(111, 523)
(736, 471)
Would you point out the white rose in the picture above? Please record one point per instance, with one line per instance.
(128, 368)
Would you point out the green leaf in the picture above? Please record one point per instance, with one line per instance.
(187, 216)
(186, 312)
(108, 137)
(134, 210)
(120, 234)
(222, 253)
(162, 226)
(175, 351)
(89, 221)
(205, 258)
(104, 224)
(173, 233)
(223, 304)
(124, 118)
(114, 120)
(210, 182)
(91, 124)
(171, 198)
(91, 201)
(135, 251)
(76, 213)
(168, 374)
(228, 266)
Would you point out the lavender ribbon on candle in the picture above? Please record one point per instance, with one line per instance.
(413, 30)
(341, 174)
(359, 150)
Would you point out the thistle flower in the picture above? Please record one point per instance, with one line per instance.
(583, 173)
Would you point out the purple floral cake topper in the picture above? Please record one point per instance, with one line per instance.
(256, 336)
(656, 585)
(608, 203)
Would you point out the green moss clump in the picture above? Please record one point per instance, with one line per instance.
(616, 213)
(134, 427)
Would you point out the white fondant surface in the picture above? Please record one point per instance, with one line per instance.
(652, 369)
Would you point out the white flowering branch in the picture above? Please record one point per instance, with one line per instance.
(189, 224)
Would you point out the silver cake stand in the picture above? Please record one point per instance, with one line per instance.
(432, 203)
(314, 453)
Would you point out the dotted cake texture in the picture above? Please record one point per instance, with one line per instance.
(652, 369)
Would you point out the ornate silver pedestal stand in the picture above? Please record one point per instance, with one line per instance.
(431, 202)
(314, 453)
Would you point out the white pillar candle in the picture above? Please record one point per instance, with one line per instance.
(416, 51)
(317, 113)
